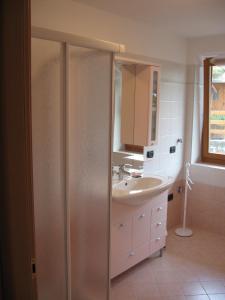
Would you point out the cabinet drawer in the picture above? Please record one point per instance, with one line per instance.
(157, 243)
(141, 227)
(125, 261)
(158, 229)
(121, 236)
(158, 212)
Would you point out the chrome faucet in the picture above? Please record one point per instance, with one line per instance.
(123, 171)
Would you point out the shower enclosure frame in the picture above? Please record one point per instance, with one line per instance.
(68, 40)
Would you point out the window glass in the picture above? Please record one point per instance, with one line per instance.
(217, 110)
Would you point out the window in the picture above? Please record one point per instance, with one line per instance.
(213, 150)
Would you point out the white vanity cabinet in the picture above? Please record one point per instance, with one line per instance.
(137, 232)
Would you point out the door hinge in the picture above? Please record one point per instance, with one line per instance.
(33, 267)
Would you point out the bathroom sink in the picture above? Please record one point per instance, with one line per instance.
(136, 191)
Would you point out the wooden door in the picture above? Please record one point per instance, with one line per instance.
(16, 211)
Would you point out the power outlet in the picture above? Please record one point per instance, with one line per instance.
(172, 149)
(150, 154)
(170, 197)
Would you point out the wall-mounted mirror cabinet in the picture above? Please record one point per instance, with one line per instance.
(136, 105)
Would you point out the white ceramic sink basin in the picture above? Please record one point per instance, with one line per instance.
(136, 191)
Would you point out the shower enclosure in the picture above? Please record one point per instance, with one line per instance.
(71, 138)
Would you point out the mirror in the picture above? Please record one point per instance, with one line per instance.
(121, 154)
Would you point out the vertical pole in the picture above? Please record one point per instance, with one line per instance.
(185, 201)
(66, 141)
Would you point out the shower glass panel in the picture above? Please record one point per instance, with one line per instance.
(89, 170)
(49, 168)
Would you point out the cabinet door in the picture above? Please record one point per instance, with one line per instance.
(121, 263)
(127, 104)
(154, 105)
(146, 105)
(137, 255)
(158, 229)
(139, 104)
(141, 227)
(121, 236)
(142, 92)
(159, 211)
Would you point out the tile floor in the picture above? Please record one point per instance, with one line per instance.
(191, 268)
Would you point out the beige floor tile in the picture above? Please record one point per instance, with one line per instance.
(217, 297)
(145, 291)
(148, 298)
(211, 273)
(197, 297)
(214, 287)
(193, 288)
(188, 275)
(123, 291)
(166, 276)
(170, 289)
(177, 297)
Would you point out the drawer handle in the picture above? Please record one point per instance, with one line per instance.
(122, 225)
(159, 224)
(141, 216)
(159, 208)
(158, 239)
(131, 253)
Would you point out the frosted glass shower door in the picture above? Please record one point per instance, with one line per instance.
(89, 170)
(71, 136)
(48, 125)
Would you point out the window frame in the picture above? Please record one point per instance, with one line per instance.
(208, 157)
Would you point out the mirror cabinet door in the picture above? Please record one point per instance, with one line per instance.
(154, 105)
(139, 104)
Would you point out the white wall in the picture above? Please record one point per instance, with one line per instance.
(171, 123)
(73, 17)
(205, 46)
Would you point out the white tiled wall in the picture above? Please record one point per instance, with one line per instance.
(171, 123)
(206, 207)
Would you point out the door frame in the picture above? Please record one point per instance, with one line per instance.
(16, 211)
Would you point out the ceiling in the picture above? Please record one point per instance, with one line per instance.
(188, 18)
